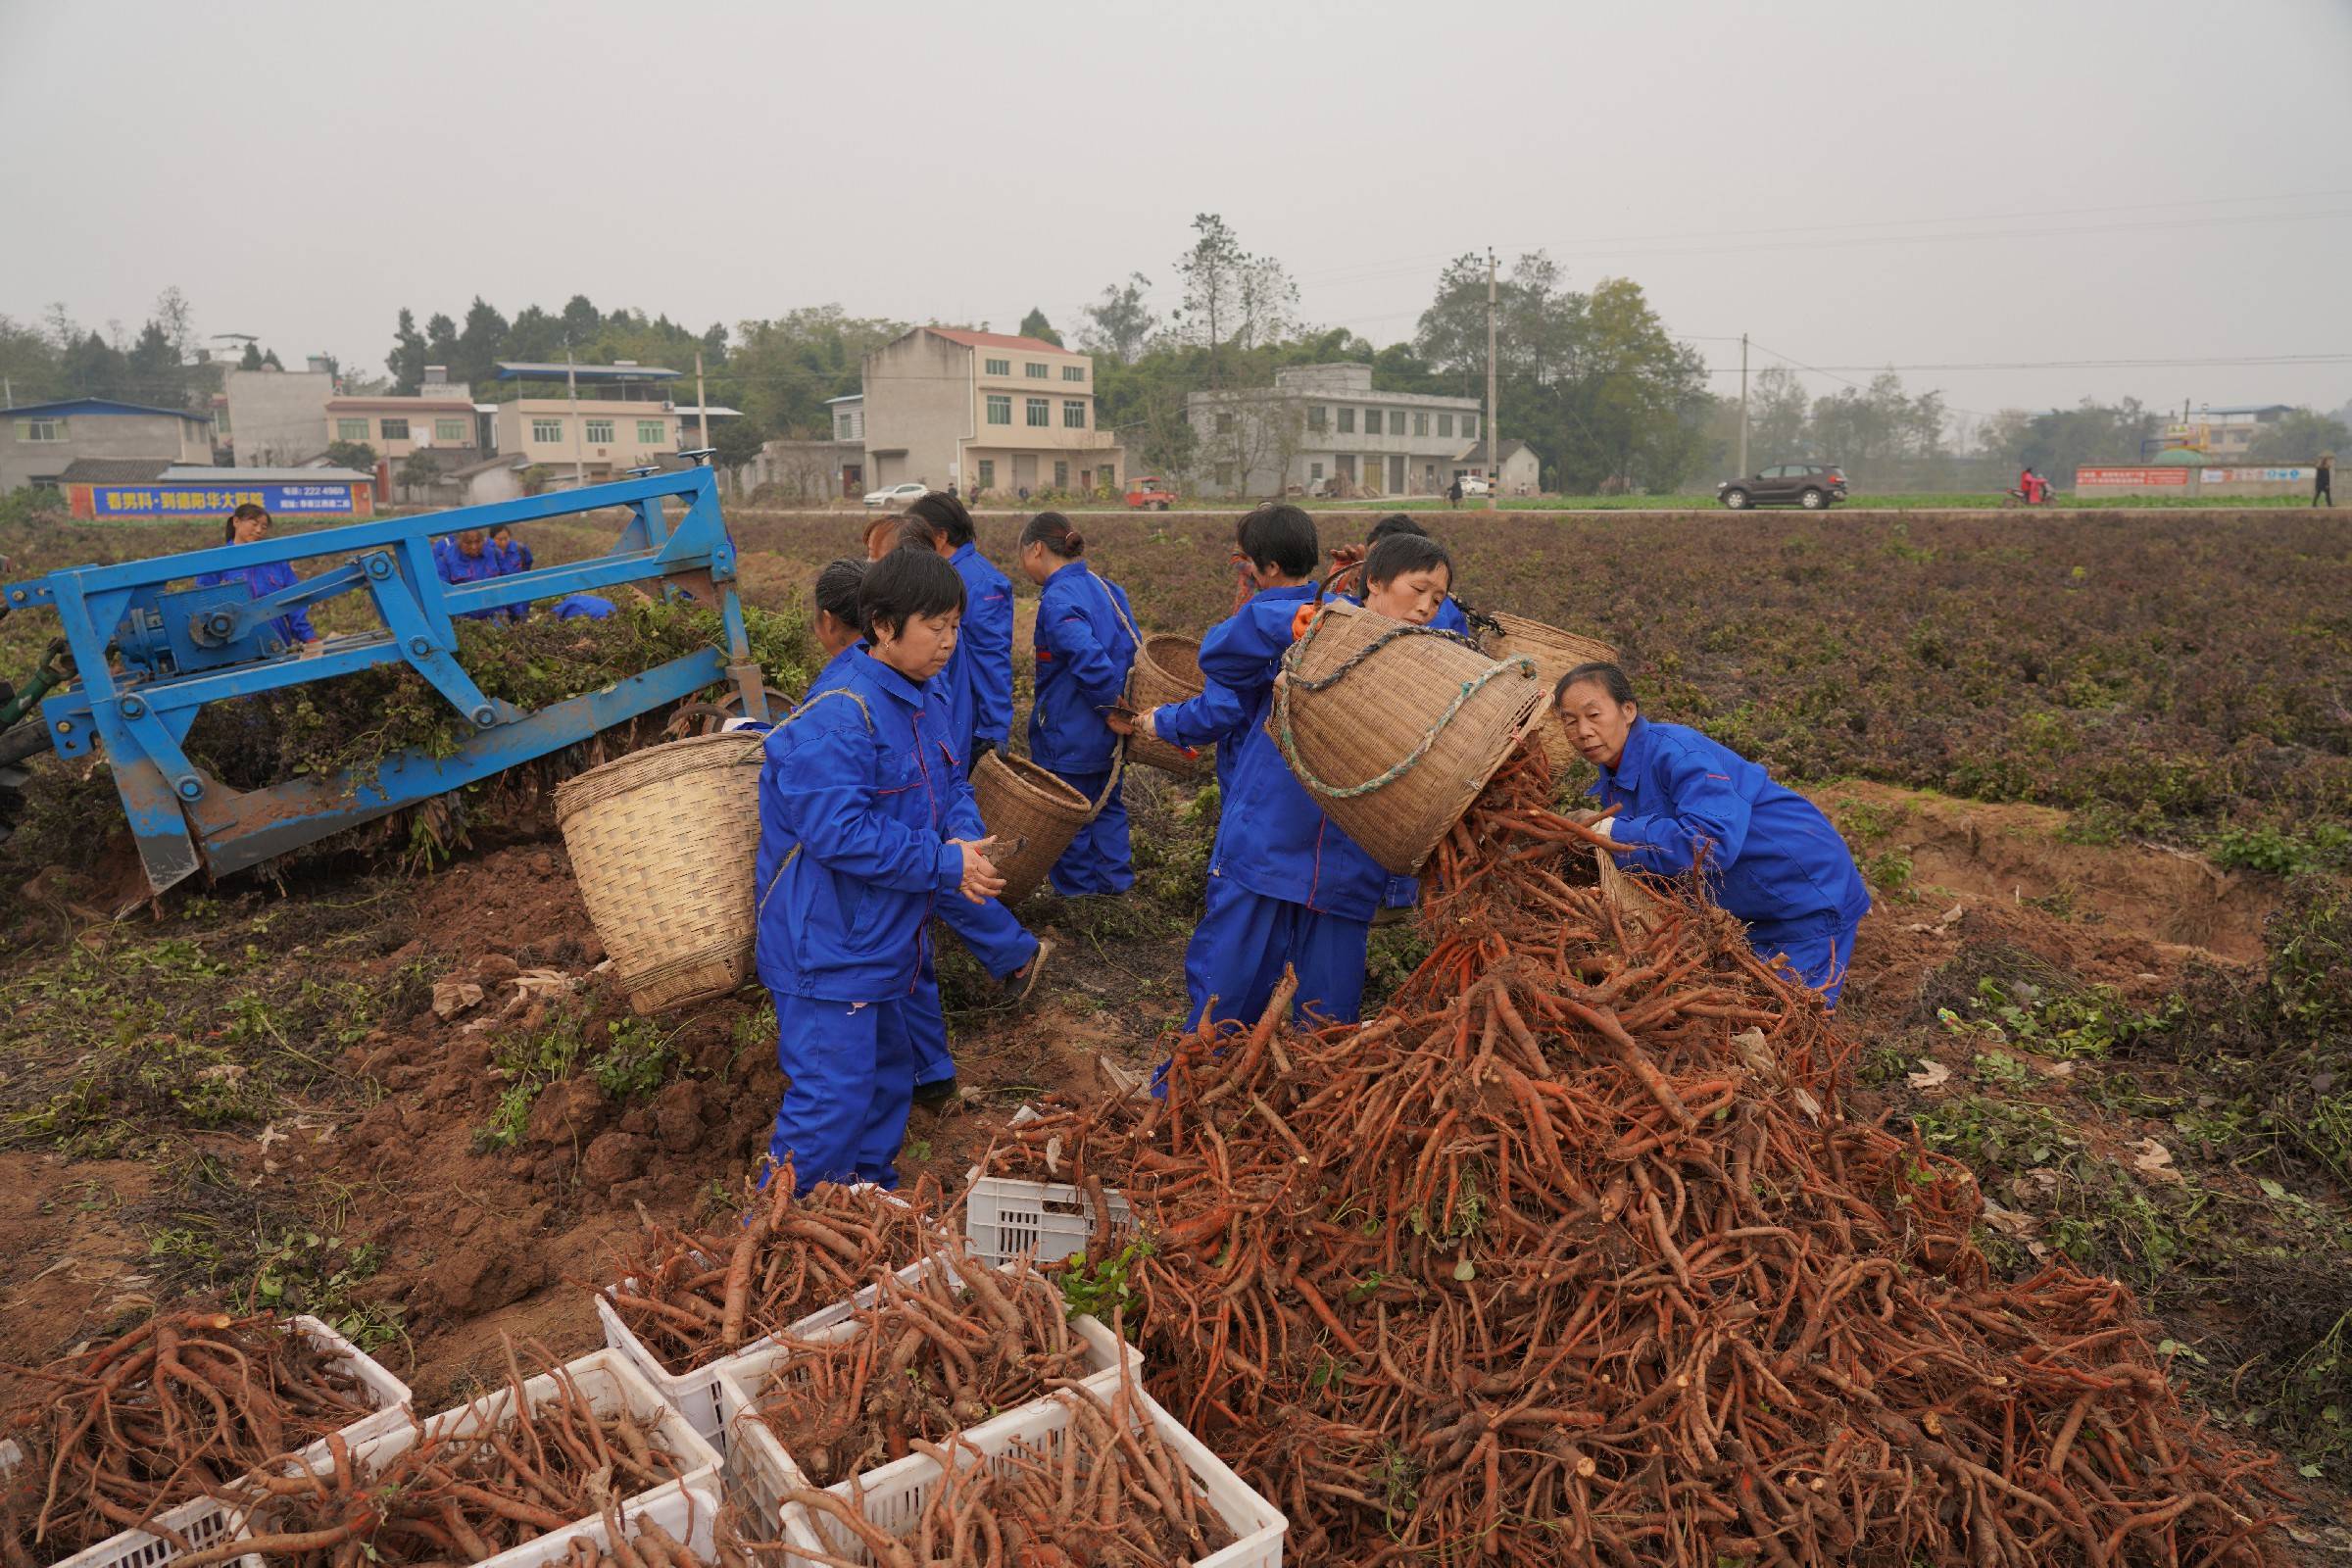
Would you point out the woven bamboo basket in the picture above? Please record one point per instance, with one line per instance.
(1167, 669)
(663, 844)
(1555, 653)
(1394, 729)
(1020, 802)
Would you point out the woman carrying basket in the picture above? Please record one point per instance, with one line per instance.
(866, 825)
(1086, 643)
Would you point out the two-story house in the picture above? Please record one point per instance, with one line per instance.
(1321, 428)
(621, 419)
(984, 411)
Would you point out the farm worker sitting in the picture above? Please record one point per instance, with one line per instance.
(1348, 578)
(583, 606)
(974, 695)
(1086, 643)
(1770, 857)
(866, 823)
(1286, 887)
(249, 524)
(469, 557)
(1407, 577)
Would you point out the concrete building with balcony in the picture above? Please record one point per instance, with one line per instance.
(621, 419)
(41, 440)
(1321, 429)
(984, 411)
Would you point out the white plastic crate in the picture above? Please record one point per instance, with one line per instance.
(201, 1521)
(894, 1496)
(761, 1470)
(606, 1381)
(690, 1516)
(1005, 1217)
(695, 1393)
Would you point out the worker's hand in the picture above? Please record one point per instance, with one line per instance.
(1345, 556)
(314, 648)
(981, 879)
(1139, 725)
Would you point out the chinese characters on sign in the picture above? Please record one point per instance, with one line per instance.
(184, 501)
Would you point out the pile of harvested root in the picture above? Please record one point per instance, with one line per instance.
(1573, 1256)
(169, 1412)
(691, 1297)
(1114, 1496)
(927, 1360)
(458, 1496)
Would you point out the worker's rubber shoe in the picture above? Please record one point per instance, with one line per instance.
(935, 1096)
(1022, 981)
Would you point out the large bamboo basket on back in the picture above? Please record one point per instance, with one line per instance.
(1022, 803)
(662, 845)
(1394, 729)
(1555, 653)
(1166, 670)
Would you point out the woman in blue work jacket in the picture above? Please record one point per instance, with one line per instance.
(249, 524)
(1085, 645)
(1352, 573)
(1407, 577)
(867, 822)
(1286, 886)
(1770, 857)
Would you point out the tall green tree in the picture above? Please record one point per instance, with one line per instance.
(407, 360)
(1120, 323)
(251, 359)
(782, 371)
(153, 370)
(2303, 435)
(1234, 300)
(481, 344)
(580, 320)
(95, 369)
(1035, 325)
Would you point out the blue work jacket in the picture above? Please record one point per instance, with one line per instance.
(1773, 860)
(858, 796)
(455, 568)
(591, 606)
(1449, 618)
(1272, 838)
(262, 579)
(513, 556)
(979, 675)
(1085, 646)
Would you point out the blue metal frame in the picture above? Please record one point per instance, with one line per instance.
(149, 656)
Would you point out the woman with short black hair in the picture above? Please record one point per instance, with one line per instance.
(249, 524)
(1681, 802)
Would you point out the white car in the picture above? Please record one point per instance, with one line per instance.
(1473, 486)
(897, 496)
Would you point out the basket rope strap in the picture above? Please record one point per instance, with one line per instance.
(867, 713)
(1519, 664)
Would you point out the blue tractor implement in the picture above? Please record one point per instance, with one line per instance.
(149, 651)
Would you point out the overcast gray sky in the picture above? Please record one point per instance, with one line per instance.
(2144, 181)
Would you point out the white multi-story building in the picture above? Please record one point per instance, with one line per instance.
(1322, 428)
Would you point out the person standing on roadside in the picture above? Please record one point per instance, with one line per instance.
(2323, 492)
(1453, 492)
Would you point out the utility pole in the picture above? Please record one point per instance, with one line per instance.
(1742, 468)
(1494, 476)
(571, 395)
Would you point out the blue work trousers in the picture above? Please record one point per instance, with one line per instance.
(1099, 858)
(927, 1028)
(1819, 951)
(852, 1072)
(1245, 939)
(995, 937)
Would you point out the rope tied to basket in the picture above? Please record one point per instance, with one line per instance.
(1518, 664)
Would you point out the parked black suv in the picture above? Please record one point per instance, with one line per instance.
(1811, 485)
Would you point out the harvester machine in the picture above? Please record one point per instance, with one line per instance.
(148, 650)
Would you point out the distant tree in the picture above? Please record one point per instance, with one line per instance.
(407, 360)
(1778, 409)
(1120, 323)
(2063, 440)
(29, 361)
(155, 373)
(481, 344)
(785, 369)
(1233, 299)
(737, 441)
(2301, 436)
(440, 341)
(352, 455)
(178, 318)
(269, 360)
(420, 470)
(580, 320)
(93, 368)
(252, 358)
(1035, 325)
(534, 338)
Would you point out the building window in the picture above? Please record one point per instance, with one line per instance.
(1073, 413)
(997, 367)
(393, 429)
(1420, 424)
(1073, 372)
(351, 429)
(1036, 371)
(55, 429)
(1061, 476)
(1347, 422)
(599, 432)
(1224, 424)
(1315, 473)
(1444, 424)
(1371, 421)
(840, 428)
(1317, 416)
(988, 473)
(999, 409)
(1470, 424)
(449, 429)
(547, 430)
(1224, 476)
(651, 433)
(1040, 412)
